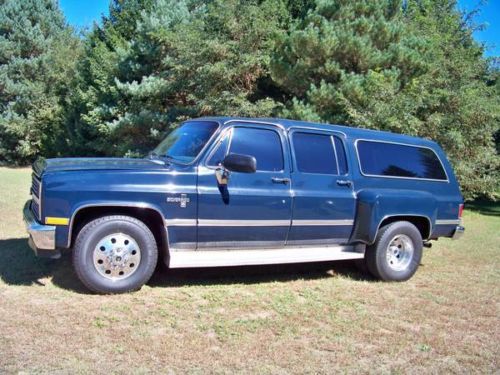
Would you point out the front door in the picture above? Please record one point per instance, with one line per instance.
(324, 201)
(254, 209)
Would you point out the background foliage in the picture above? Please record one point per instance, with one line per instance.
(405, 66)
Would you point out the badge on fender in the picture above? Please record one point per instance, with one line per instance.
(183, 200)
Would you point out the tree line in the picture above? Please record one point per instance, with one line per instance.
(406, 66)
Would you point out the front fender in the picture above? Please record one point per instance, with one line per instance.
(375, 205)
(63, 233)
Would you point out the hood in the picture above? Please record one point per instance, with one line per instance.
(83, 164)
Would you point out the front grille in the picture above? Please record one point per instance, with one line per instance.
(36, 190)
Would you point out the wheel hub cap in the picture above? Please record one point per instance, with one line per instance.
(400, 252)
(117, 256)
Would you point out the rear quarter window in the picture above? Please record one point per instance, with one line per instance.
(399, 160)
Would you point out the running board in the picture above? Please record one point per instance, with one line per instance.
(223, 258)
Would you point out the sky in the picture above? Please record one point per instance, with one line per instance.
(82, 14)
(490, 17)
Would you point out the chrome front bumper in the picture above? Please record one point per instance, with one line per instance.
(458, 232)
(42, 237)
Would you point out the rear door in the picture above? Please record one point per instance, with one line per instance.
(324, 200)
(254, 209)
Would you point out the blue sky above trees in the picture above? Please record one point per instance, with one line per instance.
(82, 14)
(490, 17)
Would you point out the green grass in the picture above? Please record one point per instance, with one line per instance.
(312, 318)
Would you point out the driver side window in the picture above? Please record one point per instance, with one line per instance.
(221, 151)
(263, 144)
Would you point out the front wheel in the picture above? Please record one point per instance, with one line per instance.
(115, 254)
(396, 253)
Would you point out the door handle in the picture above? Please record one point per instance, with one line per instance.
(344, 183)
(279, 180)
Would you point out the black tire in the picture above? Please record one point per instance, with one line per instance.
(101, 228)
(396, 233)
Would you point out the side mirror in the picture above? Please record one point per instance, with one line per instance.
(240, 163)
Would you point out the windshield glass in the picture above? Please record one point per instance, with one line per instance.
(185, 143)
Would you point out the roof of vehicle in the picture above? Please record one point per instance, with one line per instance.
(349, 131)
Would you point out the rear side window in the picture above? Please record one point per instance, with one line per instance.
(397, 160)
(319, 153)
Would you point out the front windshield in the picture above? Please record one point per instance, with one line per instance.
(185, 143)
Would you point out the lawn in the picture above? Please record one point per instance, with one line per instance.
(313, 318)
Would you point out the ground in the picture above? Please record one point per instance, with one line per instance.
(313, 318)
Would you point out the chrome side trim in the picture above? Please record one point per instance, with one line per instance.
(180, 222)
(43, 236)
(398, 177)
(224, 258)
(323, 222)
(243, 223)
(254, 223)
(448, 222)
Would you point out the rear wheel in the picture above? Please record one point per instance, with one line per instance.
(396, 253)
(115, 254)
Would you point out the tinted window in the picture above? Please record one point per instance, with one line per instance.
(314, 153)
(387, 159)
(339, 147)
(263, 144)
(220, 152)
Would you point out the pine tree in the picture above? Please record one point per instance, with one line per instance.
(37, 53)
(182, 59)
(341, 52)
(409, 67)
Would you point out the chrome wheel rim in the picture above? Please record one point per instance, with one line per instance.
(117, 256)
(400, 252)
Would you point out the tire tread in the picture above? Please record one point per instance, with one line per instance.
(79, 253)
(373, 251)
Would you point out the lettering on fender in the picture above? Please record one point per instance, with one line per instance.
(183, 200)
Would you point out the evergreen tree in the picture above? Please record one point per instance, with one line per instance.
(456, 105)
(183, 59)
(37, 54)
(404, 66)
(411, 69)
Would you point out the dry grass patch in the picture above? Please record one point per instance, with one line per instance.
(308, 318)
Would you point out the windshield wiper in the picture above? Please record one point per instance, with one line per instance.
(170, 157)
(155, 158)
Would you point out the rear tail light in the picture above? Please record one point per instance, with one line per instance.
(460, 210)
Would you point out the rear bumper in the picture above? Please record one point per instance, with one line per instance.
(42, 238)
(458, 232)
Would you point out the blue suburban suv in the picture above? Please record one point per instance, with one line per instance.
(233, 191)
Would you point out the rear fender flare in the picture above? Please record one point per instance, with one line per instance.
(376, 205)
